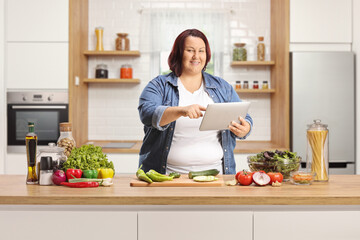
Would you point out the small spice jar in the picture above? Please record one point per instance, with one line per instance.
(126, 71)
(238, 85)
(255, 85)
(46, 170)
(239, 52)
(265, 85)
(101, 71)
(246, 85)
(66, 139)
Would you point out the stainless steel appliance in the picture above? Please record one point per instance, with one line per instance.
(323, 87)
(45, 109)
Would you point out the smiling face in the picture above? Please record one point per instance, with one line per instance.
(194, 56)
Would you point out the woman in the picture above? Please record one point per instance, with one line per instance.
(171, 106)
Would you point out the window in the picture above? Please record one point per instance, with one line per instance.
(162, 26)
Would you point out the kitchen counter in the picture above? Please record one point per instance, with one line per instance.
(340, 190)
(241, 146)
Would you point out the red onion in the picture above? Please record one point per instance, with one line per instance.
(58, 177)
(261, 178)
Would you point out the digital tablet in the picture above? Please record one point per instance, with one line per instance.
(219, 115)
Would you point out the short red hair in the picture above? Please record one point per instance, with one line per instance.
(177, 52)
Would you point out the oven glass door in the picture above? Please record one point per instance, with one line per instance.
(45, 117)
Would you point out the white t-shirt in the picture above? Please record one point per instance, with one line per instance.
(191, 149)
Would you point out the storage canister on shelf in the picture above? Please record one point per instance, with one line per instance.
(66, 139)
(317, 156)
(239, 52)
(238, 85)
(261, 49)
(99, 31)
(101, 71)
(126, 71)
(122, 42)
(255, 85)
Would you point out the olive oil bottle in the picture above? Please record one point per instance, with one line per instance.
(31, 147)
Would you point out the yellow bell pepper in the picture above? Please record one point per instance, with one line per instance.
(106, 173)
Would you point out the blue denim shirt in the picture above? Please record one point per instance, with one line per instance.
(161, 93)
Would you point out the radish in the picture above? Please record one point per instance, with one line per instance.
(260, 178)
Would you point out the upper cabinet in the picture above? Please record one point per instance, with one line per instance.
(37, 20)
(37, 44)
(320, 21)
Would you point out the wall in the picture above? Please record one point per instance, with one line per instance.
(2, 90)
(356, 49)
(113, 111)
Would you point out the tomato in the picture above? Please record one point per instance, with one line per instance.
(275, 176)
(241, 172)
(245, 178)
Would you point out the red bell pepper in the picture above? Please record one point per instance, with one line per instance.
(73, 173)
(80, 184)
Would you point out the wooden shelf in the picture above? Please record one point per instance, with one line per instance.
(112, 53)
(252, 63)
(255, 90)
(111, 80)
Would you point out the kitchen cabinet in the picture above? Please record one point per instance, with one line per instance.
(37, 20)
(59, 225)
(321, 21)
(280, 128)
(195, 225)
(37, 65)
(16, 163)
(329, 225)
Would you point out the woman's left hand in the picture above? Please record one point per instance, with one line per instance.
(241, 129)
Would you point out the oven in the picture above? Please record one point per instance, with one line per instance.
(46, 109)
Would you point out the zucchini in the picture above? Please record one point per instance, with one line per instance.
(205, 178)
(211, 172)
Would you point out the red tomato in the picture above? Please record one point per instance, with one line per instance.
(245, 178)
(241, 172)
(275, 176)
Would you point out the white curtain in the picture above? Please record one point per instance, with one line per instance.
(160, 27)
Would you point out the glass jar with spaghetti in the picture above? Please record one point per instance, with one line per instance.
(317, 156)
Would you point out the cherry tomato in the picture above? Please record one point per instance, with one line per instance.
(245, 178)
(275, 176)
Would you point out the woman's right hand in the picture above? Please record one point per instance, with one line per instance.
(193, 111)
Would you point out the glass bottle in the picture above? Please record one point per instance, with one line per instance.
(261, 49)
(239, 52)
(66, 139)
(99, 31)
(31, 147)
(317, 156)
(255, 85)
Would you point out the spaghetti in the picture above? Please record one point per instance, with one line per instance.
(317, 141)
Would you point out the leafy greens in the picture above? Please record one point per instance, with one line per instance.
(87, 157)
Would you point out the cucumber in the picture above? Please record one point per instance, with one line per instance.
(205, 178)
(211, 172)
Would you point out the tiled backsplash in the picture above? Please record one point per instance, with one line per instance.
(113, 111)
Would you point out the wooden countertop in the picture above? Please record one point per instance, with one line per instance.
(241, 146)
(340, 190)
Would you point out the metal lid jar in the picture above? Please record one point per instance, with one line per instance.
(317, 156)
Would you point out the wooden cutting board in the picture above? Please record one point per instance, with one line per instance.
(183, 181)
